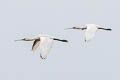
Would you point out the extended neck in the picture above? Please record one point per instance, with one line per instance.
(82, 28)
(29, 39)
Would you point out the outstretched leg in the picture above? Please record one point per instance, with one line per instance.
(60, 40)
(108, 29)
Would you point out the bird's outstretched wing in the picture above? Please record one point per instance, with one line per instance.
(36, 43)
(90, 32)
(45, 46)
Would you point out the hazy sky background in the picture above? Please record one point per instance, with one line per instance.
(77, 60)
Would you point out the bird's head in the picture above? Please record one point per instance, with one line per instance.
(25, 39)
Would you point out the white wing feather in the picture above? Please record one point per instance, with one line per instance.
(36, 43)
(90, 32)
(45, 46)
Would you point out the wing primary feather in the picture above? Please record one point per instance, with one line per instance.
(45, 46)
(90, 32)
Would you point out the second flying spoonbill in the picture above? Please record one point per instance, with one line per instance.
(90, 30)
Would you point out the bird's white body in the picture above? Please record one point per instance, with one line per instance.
(44, 41)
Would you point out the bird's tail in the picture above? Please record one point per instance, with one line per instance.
(60, 40)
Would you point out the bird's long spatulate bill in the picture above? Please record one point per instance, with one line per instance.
(20, 40)
(68, 28)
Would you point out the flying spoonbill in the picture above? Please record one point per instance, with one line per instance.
(45, 42)
(90, 30)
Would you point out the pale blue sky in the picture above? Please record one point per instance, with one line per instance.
(77, 60)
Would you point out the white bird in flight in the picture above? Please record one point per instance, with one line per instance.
(45, 42)
(91, 29)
